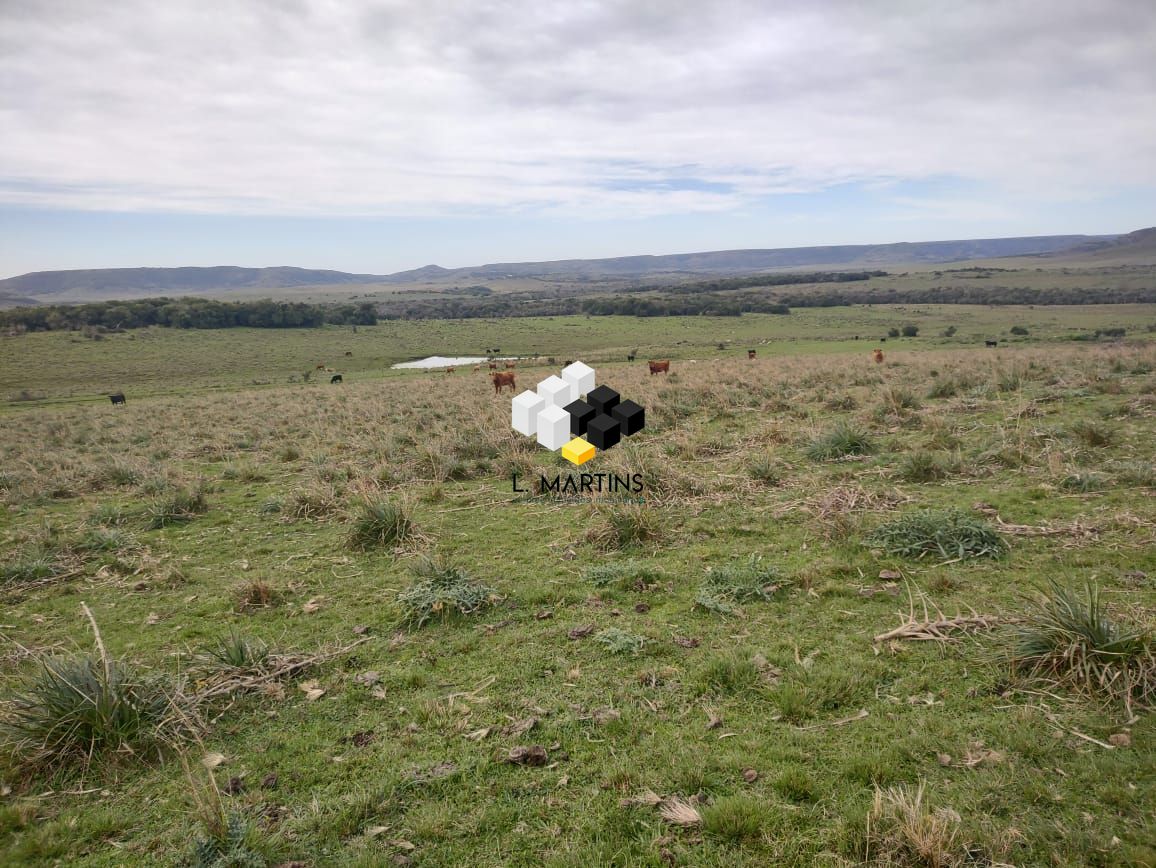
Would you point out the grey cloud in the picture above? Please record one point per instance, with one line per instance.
(316, 106)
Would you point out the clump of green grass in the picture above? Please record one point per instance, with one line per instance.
(618, 641)
(736, 818)
(1135, 473)
(1083, 481)
(442, 590)
(1093, 433)
(1068, 638)
(924, 466)
(108, 515)
(765, 469)
(623, 527)
(842, 440)
(237, 654)
(103, 539)
(75, 709)
(950, 534)
(795, 784)
(897, 401)
(730, 585)
(728, 673)
(622, 575)
(230, 846)
(384, 524)
(29, 566)
(180, 506)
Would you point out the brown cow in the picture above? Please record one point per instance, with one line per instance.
(477, 367)
(321, 367)
(511, 365)
(879, 357)
(503, 380)
(750, 354)
(450, 370)
(493, 366)
(662, 367)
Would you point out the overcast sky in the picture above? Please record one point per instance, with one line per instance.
(376, 136)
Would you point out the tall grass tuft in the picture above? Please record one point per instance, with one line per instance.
(842, 440)
(442, 590)
(623, 527)
(180, 506)
(950, 534)
(383, 524)
(74, 709)
(1068, 638)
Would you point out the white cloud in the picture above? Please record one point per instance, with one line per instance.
(578, 108)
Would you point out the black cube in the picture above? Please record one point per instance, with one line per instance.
(603, 431)
(603, 399)
(630, 416)
(580, 415)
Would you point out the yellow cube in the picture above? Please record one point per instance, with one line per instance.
(578, 451)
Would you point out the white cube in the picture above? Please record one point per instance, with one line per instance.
(556, 391)
(524, 412)
(581, 377)
(553, 427)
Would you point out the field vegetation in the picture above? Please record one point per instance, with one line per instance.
(895, 614)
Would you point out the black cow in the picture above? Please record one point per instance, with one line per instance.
(118, 398)
(991, 343)
(567, 363)
(336, 378)
(630, 358)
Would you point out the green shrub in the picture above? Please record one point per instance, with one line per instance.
(727, 674)
(622, 575)
(950, 534)
(618, 641)
(1092, 433)
(910, 331)
(442, 590)
(728, 586)
(622, 527)
(1019, 330)
(238, 653)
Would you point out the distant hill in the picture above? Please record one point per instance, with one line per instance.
(1135, 248)
(747, 261)
(112, 283)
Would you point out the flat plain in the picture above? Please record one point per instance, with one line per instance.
(381, 654)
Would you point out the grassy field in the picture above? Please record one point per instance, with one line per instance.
(62, 366)
(702, 679)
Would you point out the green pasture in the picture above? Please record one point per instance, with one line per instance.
(676, 725)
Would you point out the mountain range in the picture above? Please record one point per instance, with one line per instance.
(111, 283)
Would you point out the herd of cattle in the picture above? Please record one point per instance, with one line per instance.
(501, 379)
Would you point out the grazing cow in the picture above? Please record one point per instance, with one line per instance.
(567, 363)
(477, 367)
(502, 380)
(450, 370)
(879, 357)
(511, 365)
(750, 354)
(336, 378)
(991, 343)
(349, 352)
(662, 367)
(118, 398)
(321, 367)
(630, 358)
(493, 366)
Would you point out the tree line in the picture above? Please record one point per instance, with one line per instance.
(186, 313)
